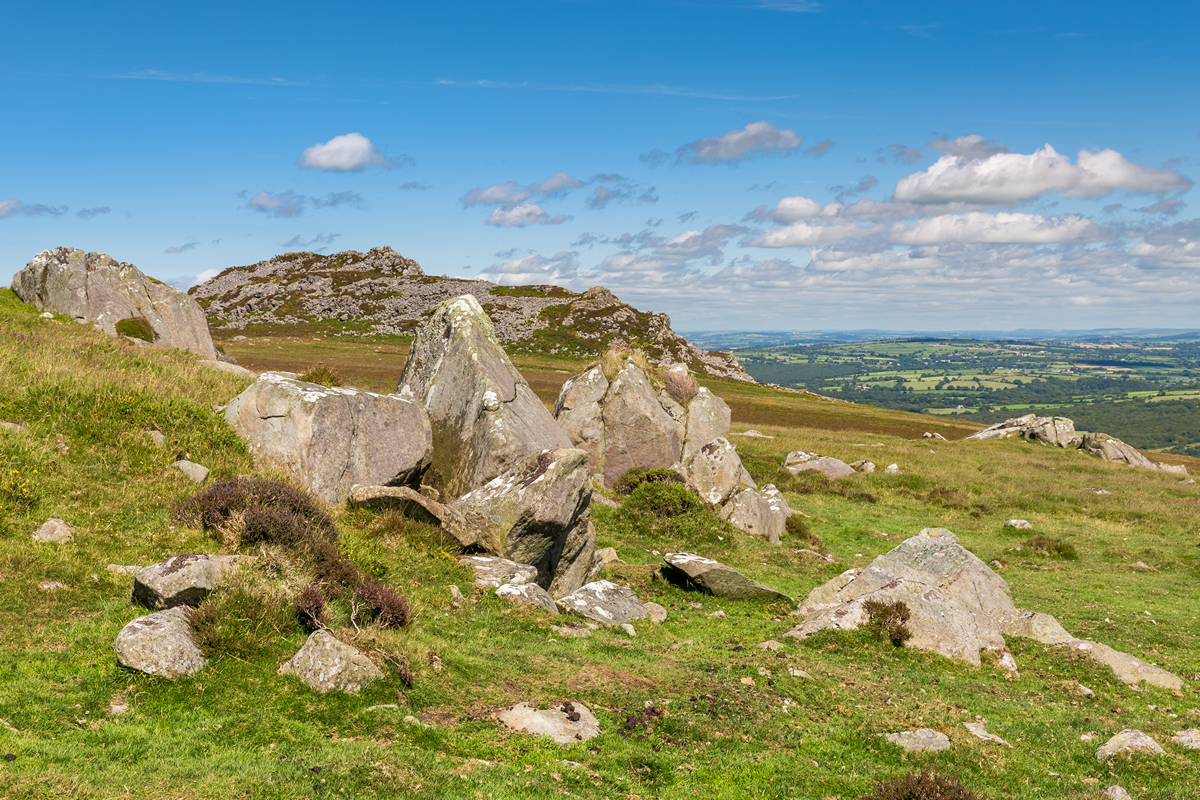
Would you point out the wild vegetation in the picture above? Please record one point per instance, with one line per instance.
(690, 707)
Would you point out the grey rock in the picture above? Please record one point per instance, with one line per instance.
(1188, 482)
(54, 531)
(157, 438)
(771, 645)
(231, 369)
(629, 630)
(327, 439)
(96, 288)
(638, 431)
(1189, 739)
(571, 631)
(456, 597)
(715, 472)
(160, 644)
(1177, 469)
(608, 555)
(863, 466)
(658, 614)
(14, 427)
(566, 723)
(527, 594)
(492, 572)
(928, 435)
(831, 468)
(578, 411)
(980, 730)
(763, 512)
(485, 419)
(924, 740)
(326, 665)
(1115, 793)
(1112, 449)
(707, 419)
(1128, 742)
(196, 473)
(1018, 524)
(718, 579)
(1034, 625)
(51, 586)
(752, 434)
(891, 469)
(604, 602)
(412, 504)
(1128, 668)
(181, 580)
(124, 569)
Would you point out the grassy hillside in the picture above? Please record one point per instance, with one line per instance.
(689, 708)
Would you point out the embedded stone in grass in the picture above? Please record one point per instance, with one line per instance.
(715, 472)
(196, 473)
(326, 665)
(1115, 793)
(658, 614)
(924, 740)
(718, 579)
(608, 555)
(799, 461)
(1128, 668)
(15, 427)
(1128, 742)
(492, 572)
(1018, 524)
(232, 369)
(771, 644)
(527, 594)
(157, 438)
(160, 644)
(891, 469)
(571, 631)
(863, 466)
(1189, 739)
(980, 730)
(604, 602)
(54, 531)
(124, 569)
(180, 580)
(762, 512)
(51, 586)
(566, 723)
(928, 435)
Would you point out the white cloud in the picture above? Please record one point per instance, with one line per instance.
(183, 248)
(524, 214)
(509, 194)
(320, 238)
(992, 228)
(13, 207)
(88, 213)
(284, 204)
(1003, 178)
(350, 152)
(756, 139)
(188, 281)
(560, 269)
(972, 148)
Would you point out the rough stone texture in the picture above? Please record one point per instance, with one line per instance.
(328, 665)
(928, 435)
(54, 531)
(658, 614)
(14, 427)
(763, 512)
(799, 461)
(492, 572)
(328, 439)
(638, 431)
(891, 469)
(1189, 739)
(484, 417)
(863, 466)
(921, 740)
(1018, 524)
(565, 724)
(715, 472)
(407, 500)
(1126, 667)
(1128, 742)
(1110, 448)
(604, 602)
(539, 512)
(1058, 431)
(1115, 793)
(707, 419)
(180, 580)
(980, 730)
(196, 473)
(527, 594)
(579, 413)
(1034, 625)
(719, 579)
(160, 644)
(96, 288)
(1178, 469)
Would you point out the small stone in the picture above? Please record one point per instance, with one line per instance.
(891, 469)
(492, 572)
(124, 569)
(717, 578)
(160, 644)
(196, 473)
(527, 594)
(608, 555)
(799, 673)
(51, 586)
(384, 707)
(1127, 742)
(118, 706)
(771, 644)
(1008, 662)
(1115, 793)
(1086, 692)
(629, 629)
(1140, 565)
(15, 427)
(1189, 739)
(994, 564)
(766, 673)
(571, 631)
(327, 664)
(54, 531)
(157, 438)
(413, 722)
(1018, 524)
(456, 597)
(921, 740)
(658, 614)
(605, 602)
(567, 723)
(980, 729)
(684, 643)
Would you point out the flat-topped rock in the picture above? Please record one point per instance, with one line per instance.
(492, 572)
(327, 665)
(604, 601)
(13, 427)
(1128, 742)
(718, 579)
(1018, 524)
(922, 740)
(565, 723)
(196, 473)
(799, 461)
(160, 644)
(527, 594)
(181, 580)
(54, 531)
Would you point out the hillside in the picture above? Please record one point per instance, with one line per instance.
(381, 293)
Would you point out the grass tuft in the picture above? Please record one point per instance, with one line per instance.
(923, 785)
(137, 328)
(635, 477)
(323, 375)
(1052, 547)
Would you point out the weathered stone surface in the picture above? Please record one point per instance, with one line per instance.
(527, 594)
(604, 602)
(405, 499)
(1058, 431)
(1126, 667)
(328, 439)
(799, 461)
(1018, 524)
(608, 555)
(484, 417)
(980, 730)
(928, 435)
(718, 579)
(181, 580)
(539, 512)
(1177, 469)
(763, 512)
(579, 413)
(891, 469)
(160, 644)
(707, 419)
(196, 473)
(658, 613)
(1110, 448)
(1189, 739)
(752, 434)
(921, 740)
(863, 466)
(13, 427)
(54, 531)
(96, 288)
(1034, 625)
(1115, 793)
(328, 665)
(715, 472)
(565, 724)
(492, 572)
(638, 431)
(1128, 742)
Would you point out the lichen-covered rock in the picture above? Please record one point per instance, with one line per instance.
(715, 472)
(763, 512)
(326, 665)
(1127, 668)
(604, 601)
(196, 473)
(1034, 625)
(1110, 448)
(492, 572)
(718, 579)
(799, 461)
(580, 415)
(96, 288)
(484, 417)
(707, 419)
(180, 580)
(527, 594)
(160, 644)
(565, 724)
(638, 431)
(54, 531)
(925, 740)
(1128, 742)
(328, 439)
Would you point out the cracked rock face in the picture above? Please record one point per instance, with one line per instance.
(160, 644)
(328, 439)
(180, 580)
(718, 579)
(96, 288)
(606, 602)
(484, 417)
(327, 665)
(716, 473)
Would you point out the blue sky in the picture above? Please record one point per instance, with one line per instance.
(746, 164)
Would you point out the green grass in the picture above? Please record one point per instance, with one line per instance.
(238, 729)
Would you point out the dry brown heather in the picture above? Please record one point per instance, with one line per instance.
(688, 708)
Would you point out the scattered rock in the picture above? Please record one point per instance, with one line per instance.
(327, 439)
(799, 673)
(1086, 692)
(604, 602)
(1112, 449)
(55, 531)
(1189, 738)
(715, 472)
(752, 434)
(1115, 793)
(51, 586)
(157, 438)
(571, 631)
(118, 706)
(456, 597)
(604, 501)
(1140, 565)
(921, 740)
(891, 469)
(1097, 490)
(1188, 482)
(1178, 469)
(180, 580)
(160, 644)
(762, 512)
(326, 664)
(707, 419)
(527, 594)
(124, 569)
(492, 572)
(14, 427)
(718, 579)
(629, 630)
(1128, 742)
(928, 435)
(863, 466)
(979, 729)
(658, 614)
(196, 473)
(1128, 668)
(1018, 524)
(1058, 431)
(232, 369)
(608, 555)
(566, 724)
(771, 644)
(413, 722)
(799, 461)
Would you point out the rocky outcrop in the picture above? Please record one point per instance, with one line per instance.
(492, 572)
(565, 724)
(799, 461)
(527, 594)
(1060, 431)
(96, 288)
(328, 665)
(717, 579)
(605, 602)
(1110, 448)
(483, 414)
(327, 439)
(764, 512)
(715, 472)
(160, 644)
(180, 580)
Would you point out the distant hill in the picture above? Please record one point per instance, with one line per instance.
(741, 340)
(383, 293)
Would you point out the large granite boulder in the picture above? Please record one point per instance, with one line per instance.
(1110, 448)
(638, 431)
(708, 418)
(715, 472)
(327, 665)
(328, 439)
(181, 580)
(718, 579)
(579, 413)
(484, 417)
(96, 288)
(160, 644)
(606, 602)
(538, 512)
(763, 512)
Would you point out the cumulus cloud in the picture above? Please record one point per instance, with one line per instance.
(320, 238)
(188, 281)
(756, 139)
(1004, 178)
(183, 248)
(560, 268)
(993, 228)
(655, 158)
(509, 194)
(820, 148)
(866, 184)
(350, 152)
(519, 216)
(335, 199)
(584, 240)
(88, 213)
(13, 207)
(603, 195)
(972, 147)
